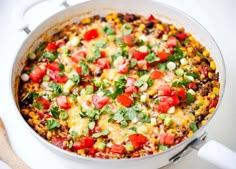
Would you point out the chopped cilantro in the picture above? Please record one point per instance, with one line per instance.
(108, 30)
(76, 79)
(96, 55)
(193, 74)
(38, 105)
(52, 124)
(100, 43)
(127, 28)
(73, 133)
(56, 88)
(40, 48)
(114, 57)
(149, 82)
(133, 63)
(61, 66)
(177, 83)
(189, 98)
(179, 54)
(133, 129)
(55, 112)
(102, 133)
(142, 72)
(150, 58)
(162, 66)
(139, 83)
(119, 87)
(85, 68)
(48, 55)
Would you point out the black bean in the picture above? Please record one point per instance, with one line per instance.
(205, 60)
(98, 72)
(103, 19)
(149, 25)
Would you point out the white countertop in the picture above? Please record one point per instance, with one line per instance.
(217, 16)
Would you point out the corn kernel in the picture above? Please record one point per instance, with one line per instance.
(212, 110)
(190, 133)
(203, 122)
(210, 75)
(216, 90)
(205, 53)
(197, 58)
(213, 65)
(198, 112)
(117, 20)
(141, 27)
(31, 114)
(160, 27)
(172, 27)
(211, 95)
(114, 15)
(109, 17)
(202, 77)
(30, 121)
(86, 21)
(118, 25)
(184, 122)
(171, 131)
(206, 102)
(189, 49)
(200, 98)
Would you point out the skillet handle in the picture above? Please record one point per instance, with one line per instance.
(20, 12)
(217, 154)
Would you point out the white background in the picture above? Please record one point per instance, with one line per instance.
(217, 16)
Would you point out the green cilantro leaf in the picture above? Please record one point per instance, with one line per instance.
(133, 63)
(84, 67)
(193, 126)
(189, 98)
(150, 58)
(52, 124)
(96, 55)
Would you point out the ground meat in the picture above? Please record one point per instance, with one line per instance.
(215, 76)
(205, 61)
(149, 25)
(130, 17)
(204, 89)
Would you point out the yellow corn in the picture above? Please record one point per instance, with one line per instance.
(114, 15)
(202, 76)
(118, 25)
(203, 122)
(205, 53)
(171, 131)
(25, 111)
(211, 95)
(189, 49)
(184, 122)
(198, 112)
(190, 133)
(216, 90)
(117, 20)
(109, 17)
(200, 98)
(160, 27)
(212, 110)
(172, 27)
(213, 65)
(86, 21)
(197, 59)
(81, 152)
(210, 75)
(206, 102)
(31, 114)
(30, 121)
(141, 27)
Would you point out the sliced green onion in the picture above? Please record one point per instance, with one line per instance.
(164, 37)
(163, 147)
(31, 56)
(89, 89)
(63, 115)
(46, 78)
(162, 116)
(68, 85)
(64, 49)
(168, 121)
(82, 92)
(153, 121)
(111, 38)
(179, 72)
(101, 146)
(129, 147)
(191, 91)
(68, 69)
(143, 98)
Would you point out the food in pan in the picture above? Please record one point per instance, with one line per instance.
(119, 86)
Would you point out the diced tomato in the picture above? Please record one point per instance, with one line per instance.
(167, 138)
(51, 47)
(130, 87)
(181, 36)
(130, 81)
(135, 154)
(137, 140)
(43, 114)
(45, 103)
(79, 70)
(37, 74)
(171, 42)
(87, 142)
(77, 56)
(181, 93)
(192, 85)
(129, 40)
(156, 74)
(96, 129)
(58, 141)
(142, 64)
(151, 18)
(175, 100)
(77, 146)
(214, 102)
(179, 140)
(60, 42)
(92, 151)
(139, 55)
(103, 63)
(163, 56)
(205, 71)
(164, 90)
(91, 34)
(163, 106)
(103, 54)
(62, 102)
(54, 66)
(116, 148)
(123, 68)
(56, 77)
(125, 100)
(99, 101)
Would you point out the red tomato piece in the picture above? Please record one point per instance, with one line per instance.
(163, 106)
(123, 68)
(137, 140)
(103, 63)
(37, 74)
(60, 42)
(99, 101)
(125, 100)
(91, 34)
(58, 141)
(192, 85)
(156, 74)
(54, 66)
(139, 55)
(130, 81)
(142, 64)
(181, 36)
(79, 70)
(171, 42)
(129, 40)
(45, 103)
(62, 102)
(164, 90)
(87, 142)
(51, 47)
(214, 102)
(103, 54)
(174, 101)
(181, 93)
(77, 56)
(130, 87)
(92, 151)
(77, 146)
(163, 56)
(205, 71)
(167, 138)
(55, 76)
(116, 148)
(151, 18)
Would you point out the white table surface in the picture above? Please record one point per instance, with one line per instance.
(217, 16)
